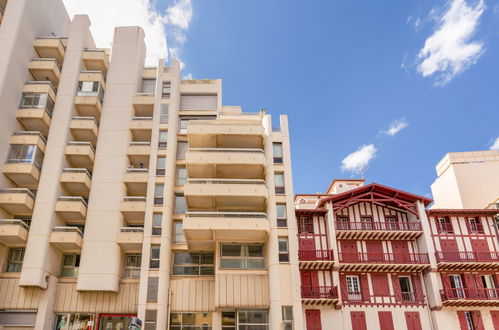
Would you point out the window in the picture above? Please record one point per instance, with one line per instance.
(242, 256)
(342, 223)
(287, 317)
(281, 215)
(279, 183)
(162, 139)
(148, 86)
(178, 232)
(305, 225)
(180, 205)
(456, 283)
(194, 264)
(475, 226)
(488, 282)
(190, 321)
(158, 194)
(257, 319)
(181, 149)
(154, 259)
(25, 154)
(70, 265)
(229, 321)
(157, 220)
(163, 117)
(277, 150)
(150, 319)
(444, 226)
(74, 321)
(283, 249)
(406, 288)
(182, 126)
(132, 265)
(366, 222)
(152, 288)
(160, 165)
(36, 100)
(469, 320)
(353, 288)
(165, 91)
(181, 176)
(198, 102)
(15, 261)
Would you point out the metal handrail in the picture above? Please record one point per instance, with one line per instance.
(134, 199)
(92, 118)
(141, 118)
(319, 292)
(67, 229)
(384, 258)
(94, 50)
(144, 94)
(394, 226)
(91, 71)
(18, 222)
(76, 170)
(137, 170)
(467, 256)
(139, 143)
(315, 255)
(226, 214)
(226, 181)
(72, 199)
(18, 191)
(47, 59)
(131, 230)
(469, 294)
(81, 143)
(37, 133)
(227, 150)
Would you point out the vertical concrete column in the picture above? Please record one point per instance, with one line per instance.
(100, 266)
(272, 248)
(42, 259)
(169, 201)
(292, 227)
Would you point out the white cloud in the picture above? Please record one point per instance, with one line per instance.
(178, 19)
(358, 160)
(105, 15)
(187, 77)
(396, 126)
(495, 144)
(450, 50)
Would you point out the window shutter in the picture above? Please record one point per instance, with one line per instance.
(198, 102)
(462, 320)
(385, 320)
(344, 289)
(148, 86)
(152, 288)
(364, 286)
(380, 284)
(416, 281)
(396, 288)
(150, 319)
(477, 320)
(469, 283)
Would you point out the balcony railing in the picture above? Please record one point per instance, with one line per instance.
(17, 222)
(467, 256)
(76, 170)
(139, 143)
(131, 229)
(72, 199)
(469, 294)
(256, 150)
(394, 226)
(384, 258)
(67, 229)
(313, 255)
(226, 181)
(17, 191)
(137, 118)
(34, 133)
(82, 143)
(203, 214)
(136, 170)
(87, 118)
(319, 292)
(134, 199)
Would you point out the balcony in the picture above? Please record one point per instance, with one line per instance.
(378, 230)
(17, 201)
(141, 128)
(225, 163)
(80, 154)
(13, 232)
(225, 134)
(226, 194)
(143, 104)
(399, 262)
(319, 295)
(67, 239)
(135, 180)
(29, 138)
(45, 69)
(470, 297)
(138, 153)
(89, 103)
(468, 260)
(23, 174)
(133, 209)
(73, 209)
(50, 48)
(237, 226)
(399, 298)
(96, 59)
(37, 104)
(76, 181)
(130, 239)
(84, 129)
(316, 259)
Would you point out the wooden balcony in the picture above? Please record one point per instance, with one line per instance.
(470, 297)
(67, 239)
(468, 260)
(383, 262)
(17, 201)
(96, 59)
(130, 239)
(319, 295)
(45, 69)
(50, 48)
(13, 232)
(316, 259)
(378, 230)
(72, 209)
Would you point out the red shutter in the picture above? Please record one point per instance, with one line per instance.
(358, 320)
(462, 320)
(364, 286)
(396, 288)
(495, 319)
(477, 320)
(385, 320)
(445, 281)
(418, 289)
(380, 285)
(313, 319)
(343, 288)
(469, 283)
(413, 321)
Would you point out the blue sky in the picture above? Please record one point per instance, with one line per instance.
(344, 71)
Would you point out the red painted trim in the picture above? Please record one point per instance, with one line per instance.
(436, 212)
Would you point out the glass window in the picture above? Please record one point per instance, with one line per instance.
(37, 100)
(444, 226)
(162, 139)
(181, 149)
(287, 317)
(15, 261)
(353, 288)
(283, 249)
(181, 176)
(74, 321)
(182, 126)
(470, 323)
(279, 183)
(167, 86)
(160, 165)
(194, 264)
(178, 232)
(277, 150)
(158, 194)
(257, 319)
(228, 320)
(475, 226)
(242, 256)
(406, 288)
(154, 259)
(157, 220)
(281, 215)
(132, 265)
(25, 154)
(70, 265)
(180, 205)
(163, 118)
(88, 87)
(148, 86)
(190, 321)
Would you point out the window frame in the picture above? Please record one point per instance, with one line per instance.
(166, 89)
(188, 326)
(181, 152)
(75, 265)
(163, 139)
(283, 255)
(130, 270)
(244, 256)
(287, 322)
(159, 191)
(160, 171)
(279, 190)
(154, 261)
(282, 222)
(177, 205)
(157, 229)
(200, 265)
(278, 159)
(15, 265)
(176, 234)
(180, 181)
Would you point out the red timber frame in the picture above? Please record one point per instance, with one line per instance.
(321, 257)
